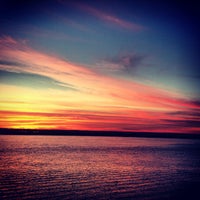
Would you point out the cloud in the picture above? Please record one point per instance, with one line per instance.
(11, 63)
(183, 123)
(83, 98)
(89, 120)
(84, 79)
(91, 83)
(6, 40)
(123, 63)
(108, 18)
(190, 114)
(17, 57)
(31, 80)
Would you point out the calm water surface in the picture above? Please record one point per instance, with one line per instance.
(73, 167)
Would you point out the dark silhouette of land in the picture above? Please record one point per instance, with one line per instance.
(5, 131)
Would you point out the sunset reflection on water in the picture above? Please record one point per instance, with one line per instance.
(74, 167)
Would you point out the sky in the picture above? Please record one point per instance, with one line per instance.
(100, 65)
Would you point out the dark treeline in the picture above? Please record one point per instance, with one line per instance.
(4, 131)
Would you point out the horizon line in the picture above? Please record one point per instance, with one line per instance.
(59, 132)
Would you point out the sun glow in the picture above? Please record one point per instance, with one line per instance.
(58, 94)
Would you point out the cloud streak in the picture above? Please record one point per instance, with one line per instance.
(108, 18)
(31, 80)
(92, 100)
(88, 120)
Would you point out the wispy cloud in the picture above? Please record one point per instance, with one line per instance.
(124, 63)
(11, 63)
(184, 123)
(18, 57)
(81, 77)
(92, 99)
(136, 120)
(31, 80)
(108, 18)
(188, 114)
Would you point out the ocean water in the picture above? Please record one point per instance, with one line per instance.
(84, 167)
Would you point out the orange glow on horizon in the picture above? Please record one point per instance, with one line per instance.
(89, 100)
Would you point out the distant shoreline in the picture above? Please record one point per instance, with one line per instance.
(5, 131)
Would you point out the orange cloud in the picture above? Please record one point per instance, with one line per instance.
(98, 101)
(135, 120)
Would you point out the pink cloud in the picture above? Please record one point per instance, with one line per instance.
(99, 101)
(84, 79)
(108, 18)
(88, 120)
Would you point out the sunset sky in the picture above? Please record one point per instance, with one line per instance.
(99, 65)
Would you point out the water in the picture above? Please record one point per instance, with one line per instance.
(75, 167)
